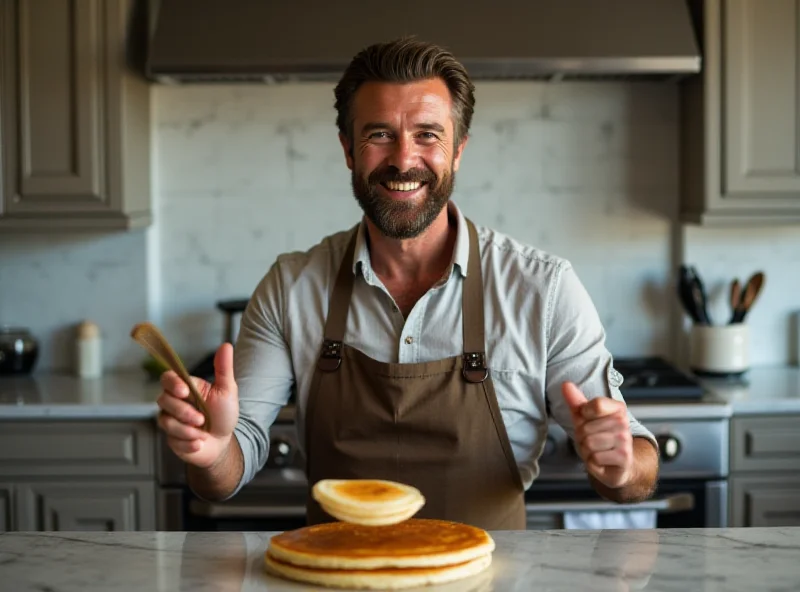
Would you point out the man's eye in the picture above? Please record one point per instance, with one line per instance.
(379, 135)
(428, 136)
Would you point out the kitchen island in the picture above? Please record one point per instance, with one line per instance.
(744, 559)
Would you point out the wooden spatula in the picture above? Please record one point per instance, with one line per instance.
(150, 338)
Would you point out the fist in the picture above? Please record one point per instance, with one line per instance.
(602, 436)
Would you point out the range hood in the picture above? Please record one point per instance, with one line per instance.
(287, 40)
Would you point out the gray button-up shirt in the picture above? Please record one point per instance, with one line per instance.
(541, 329)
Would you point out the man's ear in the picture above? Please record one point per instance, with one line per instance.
(347, 146)
(459, 152)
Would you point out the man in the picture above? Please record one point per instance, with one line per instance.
(421, 349)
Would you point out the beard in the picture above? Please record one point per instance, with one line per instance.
(398, 218)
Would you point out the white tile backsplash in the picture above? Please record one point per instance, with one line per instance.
(588, 171)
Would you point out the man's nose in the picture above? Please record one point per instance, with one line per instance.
(404, 154)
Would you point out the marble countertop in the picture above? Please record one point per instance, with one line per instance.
(659, 560)
(117, 395)
(762, 390)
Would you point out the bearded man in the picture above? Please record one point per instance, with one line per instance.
(420, 347)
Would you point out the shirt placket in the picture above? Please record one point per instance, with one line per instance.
(411, 334)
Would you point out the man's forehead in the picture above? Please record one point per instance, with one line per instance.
(429, 98)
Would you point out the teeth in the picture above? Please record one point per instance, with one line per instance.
(403, 186)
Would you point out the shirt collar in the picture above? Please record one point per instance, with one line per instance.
(460, 251)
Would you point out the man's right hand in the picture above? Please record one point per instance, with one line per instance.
(181, 422)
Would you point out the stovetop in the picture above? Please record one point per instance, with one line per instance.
(653, 379)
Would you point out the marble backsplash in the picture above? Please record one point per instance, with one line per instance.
(588, 171)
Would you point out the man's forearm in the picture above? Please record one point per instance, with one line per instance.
(218, 481)
(645, 476)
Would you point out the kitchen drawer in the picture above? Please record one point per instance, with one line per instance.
(765, 443)
(769, 500)
(76, 448)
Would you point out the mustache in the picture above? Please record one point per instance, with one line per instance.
(392, 173)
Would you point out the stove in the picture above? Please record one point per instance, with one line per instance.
(653, 380)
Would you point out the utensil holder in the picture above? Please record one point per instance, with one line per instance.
(720, 350)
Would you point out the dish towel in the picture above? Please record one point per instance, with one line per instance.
(627, 519)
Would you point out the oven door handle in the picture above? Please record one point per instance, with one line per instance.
(233, 511)
(680, 502)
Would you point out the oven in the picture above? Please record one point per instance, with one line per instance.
(692, 489)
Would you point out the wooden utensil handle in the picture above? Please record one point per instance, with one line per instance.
(151, 339)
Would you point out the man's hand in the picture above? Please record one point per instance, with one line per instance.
(181, 422)
(602, 436)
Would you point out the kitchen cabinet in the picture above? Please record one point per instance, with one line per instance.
(765, 470)
(740, 119)
(74, 116)
(77, 475)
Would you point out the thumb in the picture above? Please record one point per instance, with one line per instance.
(573, 396)
(223, 369)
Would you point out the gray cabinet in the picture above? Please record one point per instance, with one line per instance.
(740, 150)
(77, 475)
(85, 505)
(765, 471)
(765, 501)
(74, 116)
(6, 508)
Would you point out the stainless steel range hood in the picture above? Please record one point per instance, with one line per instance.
(278, 40)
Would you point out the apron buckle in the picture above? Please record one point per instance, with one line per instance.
(331, 357)
(474, 367)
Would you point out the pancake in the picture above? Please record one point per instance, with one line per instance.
(378, 579)
(411, 543)
(371, 502)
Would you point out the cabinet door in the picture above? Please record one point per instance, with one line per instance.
(74, 115)
(86, 506)
(56, 113)
(5, 508)
(770, 500)
(761, 106)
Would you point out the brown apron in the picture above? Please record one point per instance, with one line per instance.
(434, 425)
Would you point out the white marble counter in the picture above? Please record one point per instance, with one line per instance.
(762, 390)
(668, 560)
(119, 395)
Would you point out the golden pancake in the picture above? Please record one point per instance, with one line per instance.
(372, 516)
(377, 579)
(371, 502)
(411, 543)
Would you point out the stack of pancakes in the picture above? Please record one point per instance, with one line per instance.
(377, 544)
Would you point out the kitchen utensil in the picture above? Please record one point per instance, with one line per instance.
(685, 294)
(750, 292)
(735, 297)
(19, 351)
(150, 338)
(699, 294)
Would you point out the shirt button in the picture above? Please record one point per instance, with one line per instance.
(409, 340)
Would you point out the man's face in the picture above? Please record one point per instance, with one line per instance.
(402, 157)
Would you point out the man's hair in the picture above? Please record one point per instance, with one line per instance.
(406, 60)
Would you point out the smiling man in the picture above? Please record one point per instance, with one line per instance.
(422, 348)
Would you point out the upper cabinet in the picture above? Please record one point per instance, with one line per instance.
(740, 120)
(74, 116)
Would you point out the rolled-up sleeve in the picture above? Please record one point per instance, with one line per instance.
(576, 351)
(263, 370)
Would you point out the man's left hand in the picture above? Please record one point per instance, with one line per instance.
(602, 436)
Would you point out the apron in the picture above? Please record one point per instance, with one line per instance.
(433, 425)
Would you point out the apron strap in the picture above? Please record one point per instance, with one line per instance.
(331, 357)
(474, 367)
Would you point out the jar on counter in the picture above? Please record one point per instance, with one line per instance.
(88, 351)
